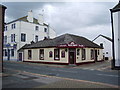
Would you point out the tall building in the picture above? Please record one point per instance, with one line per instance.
(24, 30)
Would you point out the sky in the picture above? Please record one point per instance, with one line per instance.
(87, 19)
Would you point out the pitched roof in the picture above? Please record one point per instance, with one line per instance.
(64, 39)
(35, 21)
(117, 7)
(103, 37)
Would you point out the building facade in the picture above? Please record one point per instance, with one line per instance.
(64, 49)
(107, 45)
(24, 31)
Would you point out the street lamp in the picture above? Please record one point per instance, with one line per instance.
(115, 22)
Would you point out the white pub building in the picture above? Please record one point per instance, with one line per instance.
(23, 31)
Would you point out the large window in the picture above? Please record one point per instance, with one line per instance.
(13, 26)
(45, 29)
(12, 52)
(50, 54)
(92, 54)
(83, 54)
(78, 51)
(56, 54)
(5, 39)
(23, 37)
(63, 54)
(36, 28)
(12, 37)
(41, 55)
(36, 38)
(29, 54)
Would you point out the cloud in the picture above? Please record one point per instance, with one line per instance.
(87, 19)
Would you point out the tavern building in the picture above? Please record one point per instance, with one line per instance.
(65, 49)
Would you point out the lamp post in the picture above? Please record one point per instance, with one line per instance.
(115, 22)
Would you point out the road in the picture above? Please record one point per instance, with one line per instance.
(68, 72)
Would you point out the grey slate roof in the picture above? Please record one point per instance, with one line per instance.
(64, 39)
(35, 21)
(103, 37)
(117, 7)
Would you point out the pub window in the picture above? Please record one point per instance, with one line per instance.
(92, 54)
(12, 52)
(41, 55)
(50, 54)
(83, 54)
(63, 54)
(98, 52)
(78, 51)
(29, 54)
(56, 54)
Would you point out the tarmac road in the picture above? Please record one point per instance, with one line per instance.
(67, 72)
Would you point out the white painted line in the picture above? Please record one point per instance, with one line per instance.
(108, 75)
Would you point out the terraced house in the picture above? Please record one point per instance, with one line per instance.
(64, 49)
(22, 31)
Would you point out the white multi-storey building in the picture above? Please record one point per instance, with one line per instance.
(23, 31)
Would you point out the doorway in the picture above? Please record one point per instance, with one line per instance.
(96, 55)
(72, 56)
(20, 56)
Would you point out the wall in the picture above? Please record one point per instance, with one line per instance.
(35, 55)
(107, 45)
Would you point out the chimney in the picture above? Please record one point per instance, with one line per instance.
(30, 16)
(40, 19)
(101, 45)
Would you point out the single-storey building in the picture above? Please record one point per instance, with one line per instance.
(65, 49)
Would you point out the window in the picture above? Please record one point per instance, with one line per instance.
(56, 54)
(12, 52)
(83, 54)
(12, 37)
(5, 39)
(63, 54)
(29, 54)
(36, 28)
(13, 26)
(106, 52)
(41, 55)
(45, 29)
(98, 52)
(36, 38)
(5, 29)
(78, 51)
(5, 52)
(50, 54)
(23, 37)
(92, 54)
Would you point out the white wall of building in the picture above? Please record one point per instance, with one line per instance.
(107, 45)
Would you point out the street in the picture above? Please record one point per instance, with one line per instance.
(69, 72)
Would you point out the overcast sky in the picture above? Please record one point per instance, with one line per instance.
(87, 19)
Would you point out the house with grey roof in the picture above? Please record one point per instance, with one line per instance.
(64, 49)
(22, 31)
(107, 44)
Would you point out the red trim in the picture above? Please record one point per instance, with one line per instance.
(48, 62)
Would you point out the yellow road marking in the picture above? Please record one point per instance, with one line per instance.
(99, 83)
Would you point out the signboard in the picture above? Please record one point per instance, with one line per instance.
(71, 45)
